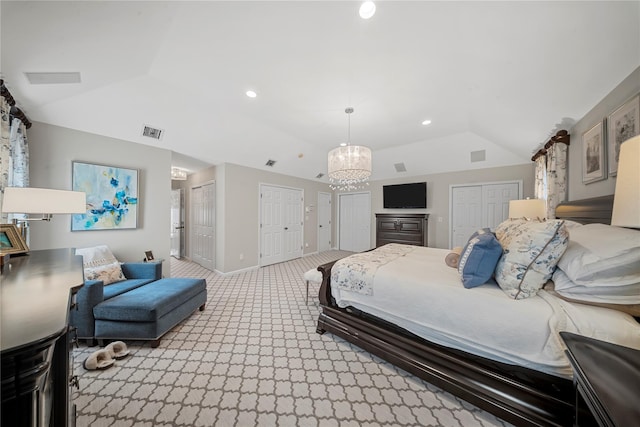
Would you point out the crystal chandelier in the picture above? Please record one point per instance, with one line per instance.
(178, 174)
(349, 165)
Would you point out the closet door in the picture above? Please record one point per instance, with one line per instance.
(477, 206)
(280, 224)
(355, 222)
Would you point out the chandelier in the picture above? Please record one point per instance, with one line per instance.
(349, 165)
(178, 174)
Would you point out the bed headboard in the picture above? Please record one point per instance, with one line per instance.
(587, 211)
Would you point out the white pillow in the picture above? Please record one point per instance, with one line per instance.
(531, 251)
(100, 264)
(601, 255)
(625, 295)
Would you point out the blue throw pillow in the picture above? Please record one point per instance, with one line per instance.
(479, 258)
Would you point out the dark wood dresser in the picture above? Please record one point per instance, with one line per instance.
(37, 292)
(408, 229)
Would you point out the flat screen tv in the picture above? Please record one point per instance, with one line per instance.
(405, 196)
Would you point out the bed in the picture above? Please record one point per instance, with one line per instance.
(511, 386)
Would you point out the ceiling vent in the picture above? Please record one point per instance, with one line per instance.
(270, 163)
(478, 156)
(320, 175)
(152, 132)
(52, 78)
(400, 167)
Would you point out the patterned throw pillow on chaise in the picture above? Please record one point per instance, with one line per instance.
(100, 264)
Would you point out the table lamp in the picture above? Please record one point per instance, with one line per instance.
(528, 209)
(626, 199)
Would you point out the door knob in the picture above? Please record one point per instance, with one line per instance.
(286, 228)
(320, 225)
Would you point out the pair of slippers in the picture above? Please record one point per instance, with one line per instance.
(105, 358)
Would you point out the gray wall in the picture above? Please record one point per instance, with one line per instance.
(53, 148)
(438, 188)
(627, 89)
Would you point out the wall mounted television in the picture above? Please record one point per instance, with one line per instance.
(405, 196)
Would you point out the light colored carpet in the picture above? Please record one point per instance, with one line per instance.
(253, 358)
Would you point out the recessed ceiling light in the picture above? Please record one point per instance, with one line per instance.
(426, 122)
(343, 144)
(251, 94)
(367, 10)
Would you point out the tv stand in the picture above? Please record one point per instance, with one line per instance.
(408, 229)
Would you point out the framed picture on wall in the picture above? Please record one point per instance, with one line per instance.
(593, 154)
(623, 124)
(112, 197)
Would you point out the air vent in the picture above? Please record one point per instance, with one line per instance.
(270, 163)
(52, 78)
(320, 175)
(152, 132)
(478, 156)
(400, 167)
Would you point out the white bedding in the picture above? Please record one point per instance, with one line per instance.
(421, 294)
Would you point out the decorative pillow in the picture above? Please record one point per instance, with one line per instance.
(100, 264)
(531, 251)
(602, 255)
(479, 258)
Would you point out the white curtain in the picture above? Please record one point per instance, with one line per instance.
(556, 177)
(540, 179)
(5, 147)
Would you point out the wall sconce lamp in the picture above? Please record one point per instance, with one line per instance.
(43, 201)
(626, 200)
(528, 209)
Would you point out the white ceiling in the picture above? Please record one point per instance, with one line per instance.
(494, 76)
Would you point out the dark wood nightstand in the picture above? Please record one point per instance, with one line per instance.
(607, 377)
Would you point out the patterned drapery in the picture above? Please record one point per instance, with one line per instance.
(540, 179)
(19, 155)
(5, 147)
(556, 177)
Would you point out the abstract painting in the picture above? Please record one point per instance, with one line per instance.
(112, 197)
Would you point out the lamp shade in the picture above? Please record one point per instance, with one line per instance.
(28, 200)
(350, 163)
(528, 208)
(626, 200)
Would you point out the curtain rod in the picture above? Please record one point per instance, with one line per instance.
(560, 136)
(15, 111)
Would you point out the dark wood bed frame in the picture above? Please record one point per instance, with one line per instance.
(518, 395)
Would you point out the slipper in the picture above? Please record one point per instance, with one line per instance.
(100, 359)
(117, 349)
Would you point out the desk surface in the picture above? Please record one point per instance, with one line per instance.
(610, 375)
(34, 295)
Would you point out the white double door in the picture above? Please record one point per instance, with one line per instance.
(281, 225)
(476, 206)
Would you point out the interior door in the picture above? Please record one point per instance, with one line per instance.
(466, 213)
(478, 206)
(355, 222)
(281, 224)
(324, 222)
(176, 234)
(203, 225)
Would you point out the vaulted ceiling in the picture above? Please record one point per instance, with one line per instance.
(495, 76)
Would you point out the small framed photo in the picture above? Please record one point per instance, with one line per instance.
(11, 241)
(148, 256)
(623, 124)
(593, 155)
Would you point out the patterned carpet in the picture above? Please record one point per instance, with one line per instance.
(253, 358)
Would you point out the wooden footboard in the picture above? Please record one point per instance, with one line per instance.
(518, 395)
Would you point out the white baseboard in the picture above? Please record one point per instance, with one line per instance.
(255, 267)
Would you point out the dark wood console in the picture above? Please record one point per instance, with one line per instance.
(409, 229)
(37, 292)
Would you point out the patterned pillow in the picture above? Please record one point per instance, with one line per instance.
(531, 252)
(100, 264)
(478, 259)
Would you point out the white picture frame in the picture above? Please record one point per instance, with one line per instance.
(622, 124)
(593, 155)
